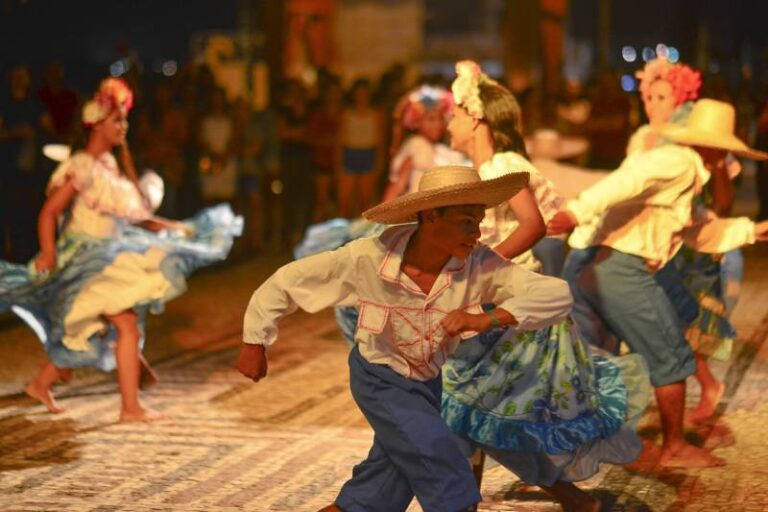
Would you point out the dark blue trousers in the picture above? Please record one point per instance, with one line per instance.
(414, 452)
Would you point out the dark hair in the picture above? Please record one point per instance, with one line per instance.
(502, 113)
(439, 209)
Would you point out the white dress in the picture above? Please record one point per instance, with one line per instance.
(105, 265)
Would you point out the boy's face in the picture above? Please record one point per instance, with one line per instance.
(455, 230)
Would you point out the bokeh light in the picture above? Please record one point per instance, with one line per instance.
(628, 83)
(662, 51)
(648, 54)
(673, 54)
(117, 68)
(629, 54)
(170, 67)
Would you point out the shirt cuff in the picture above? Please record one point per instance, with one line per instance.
(583, 215)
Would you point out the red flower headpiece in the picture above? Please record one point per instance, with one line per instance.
(685, 81)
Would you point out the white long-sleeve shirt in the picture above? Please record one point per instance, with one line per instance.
(647, 208)
(399, 325)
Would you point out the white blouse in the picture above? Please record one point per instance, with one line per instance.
(500, 222)
(105, 198)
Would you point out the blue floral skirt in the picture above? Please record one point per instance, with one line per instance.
(542, 405)
(94, 277)
(710, 334)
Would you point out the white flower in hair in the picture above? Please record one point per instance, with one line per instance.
(93, 112)
(466, 90)
(112, 94)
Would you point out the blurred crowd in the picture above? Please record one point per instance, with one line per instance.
(281, 167)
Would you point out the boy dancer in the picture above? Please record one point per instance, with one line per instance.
(647, 211)
(419, 288)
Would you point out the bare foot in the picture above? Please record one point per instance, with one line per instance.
(688, 456)
(708, 404)
(573, 499)
(147, 375)
(44, 396)
(647, 460)
(141, 415)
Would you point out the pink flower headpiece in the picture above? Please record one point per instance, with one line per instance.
(113, 93)
(412, 107)
(685, 81)
(466, 87)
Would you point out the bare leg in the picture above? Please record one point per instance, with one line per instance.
(346, 184)
(711, 391)
(147, 375)
(40, 387)
(128, 368)
(571, 498)
(675, 450)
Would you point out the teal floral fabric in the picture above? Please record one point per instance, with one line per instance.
(532, 391)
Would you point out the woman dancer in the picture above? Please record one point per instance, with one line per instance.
(536, 401)
(87, 293)
(423, 114)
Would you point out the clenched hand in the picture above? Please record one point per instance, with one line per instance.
(252, 361)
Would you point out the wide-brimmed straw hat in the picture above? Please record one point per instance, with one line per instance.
(711, 124)
(449, 185)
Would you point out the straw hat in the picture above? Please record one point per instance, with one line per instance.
(711, 124)
(449, 185)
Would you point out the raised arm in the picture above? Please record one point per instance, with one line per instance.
(531, 226)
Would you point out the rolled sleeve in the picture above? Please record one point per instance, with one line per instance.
(534, 300)
(311, 284)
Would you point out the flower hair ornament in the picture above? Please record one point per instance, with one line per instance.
(411, 108)
(466, 87)
(112, 94)
(685, 81)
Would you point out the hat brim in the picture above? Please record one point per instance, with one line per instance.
(489, 193)
(691, 137)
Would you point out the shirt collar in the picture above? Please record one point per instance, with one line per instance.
(390, 269)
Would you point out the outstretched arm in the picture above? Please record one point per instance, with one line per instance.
(312, 284)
